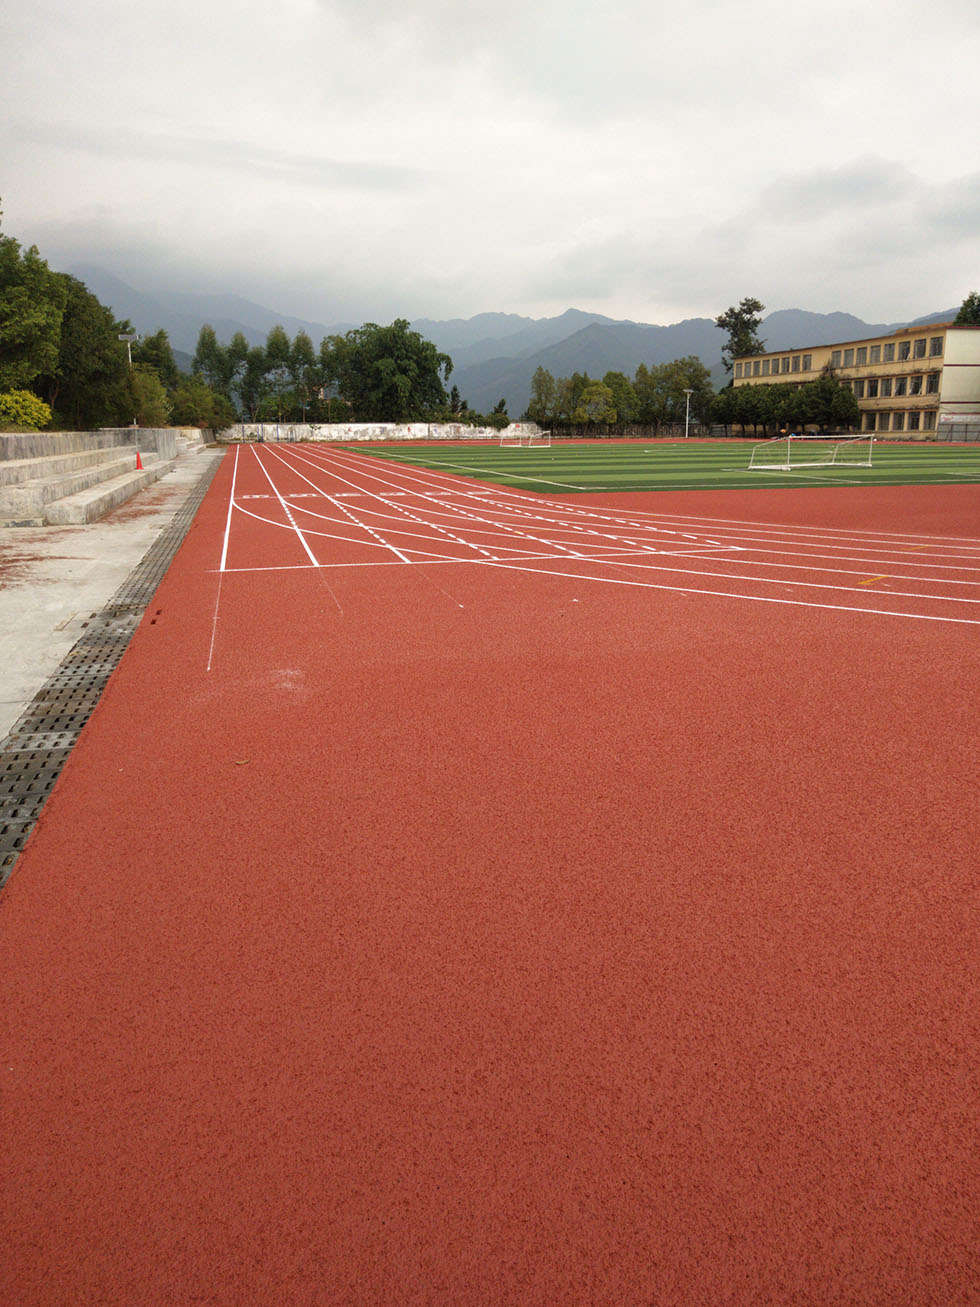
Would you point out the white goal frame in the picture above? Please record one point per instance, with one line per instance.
(525, 440)
(785, 453)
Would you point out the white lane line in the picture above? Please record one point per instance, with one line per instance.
(224, 560)
(728, 594)
(344, 509)
(286, 509)
(231, 505)
(329, 470)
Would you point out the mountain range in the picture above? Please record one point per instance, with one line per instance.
(494, 355)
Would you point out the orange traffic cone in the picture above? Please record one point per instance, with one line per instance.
(139, 462)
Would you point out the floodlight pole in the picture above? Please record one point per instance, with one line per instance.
(687, 411)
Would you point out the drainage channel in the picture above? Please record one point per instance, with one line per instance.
(33, 754)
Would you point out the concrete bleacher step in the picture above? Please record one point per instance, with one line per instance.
(15, 471)
(58, 477)
(91, 504)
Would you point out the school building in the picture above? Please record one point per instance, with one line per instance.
(918, 382)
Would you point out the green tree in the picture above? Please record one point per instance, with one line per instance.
(387, 374)
(155, 352)
(32, 303)
(969, 314)
(742, 324)
(195, 404)
(304, 372)
(213, 361)
(544, 397)
(89, 385)
(623, 396)
(20, 410)
(595, 405)
(278, 362)
(148, 398)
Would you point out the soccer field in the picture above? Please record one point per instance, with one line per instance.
(679, 465)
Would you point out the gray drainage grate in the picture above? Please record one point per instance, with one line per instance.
(33, 754)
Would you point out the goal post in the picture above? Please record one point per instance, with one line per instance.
(785, 453)
(525, 439)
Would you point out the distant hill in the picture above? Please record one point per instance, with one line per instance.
(494, 355)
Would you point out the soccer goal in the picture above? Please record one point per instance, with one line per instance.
(525, 439)
(788, 452)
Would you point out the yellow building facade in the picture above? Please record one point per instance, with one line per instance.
(918, 382)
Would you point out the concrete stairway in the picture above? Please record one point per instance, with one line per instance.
(59, 478)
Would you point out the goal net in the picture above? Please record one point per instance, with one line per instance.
(788, 452)
(525, 439)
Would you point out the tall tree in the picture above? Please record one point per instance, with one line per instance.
(624, 396)
(212, 360)
(544, 396)
(969, 314)
(595, 405)
(89, 385)
(32, 303)
(742, 324)
(155, 352)
(387, 373)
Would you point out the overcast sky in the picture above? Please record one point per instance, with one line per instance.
(363, 159)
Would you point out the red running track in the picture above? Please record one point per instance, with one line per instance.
(461, 896)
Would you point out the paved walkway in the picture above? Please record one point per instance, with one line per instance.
(53, 580)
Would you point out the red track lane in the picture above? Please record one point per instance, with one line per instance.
(476, 935)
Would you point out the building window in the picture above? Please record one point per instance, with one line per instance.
(913, 421)
(882, 421)
(859, 389)
(862, 356)
(785, 365)
(920, 349)
(888, 352)
(935, 346)
(848, 358)
(872, 391)
(835, 358)
(929, 421)
(900, 385)
(807, 362)
(932, 383)
(904, 350)
(738, 371)
(765, 367)
(898, 422)
(796, 362)
(915, 385)
(886, 388)
(869, 422)
(874, 354)
(755, 367)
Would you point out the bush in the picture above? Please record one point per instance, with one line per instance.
(21, 409)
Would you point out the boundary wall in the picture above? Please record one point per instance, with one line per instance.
(271, 432)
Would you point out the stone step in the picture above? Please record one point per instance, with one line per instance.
(16, 471)
(18, 445)
(89, 505)
(31, 496)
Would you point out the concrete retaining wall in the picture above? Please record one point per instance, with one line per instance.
(271, 432)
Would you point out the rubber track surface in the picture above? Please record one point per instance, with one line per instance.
(476, 935)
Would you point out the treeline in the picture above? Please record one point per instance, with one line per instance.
(655, 397)
(371, 374)
(62, 361)
(825, 403)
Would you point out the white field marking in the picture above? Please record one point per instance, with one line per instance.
(785, 581)
(525, 513)
(515, 476)
(344, 509)
(224, 559)
(509, 500)
(463, 512)
(729, 594)
(286, 509)
(231, 505)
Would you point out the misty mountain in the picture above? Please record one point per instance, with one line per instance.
(182, 315)
(494, 355)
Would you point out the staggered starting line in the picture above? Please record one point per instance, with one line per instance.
(305, 507)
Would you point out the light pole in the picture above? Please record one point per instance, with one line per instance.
(687, 411)
(129, 337)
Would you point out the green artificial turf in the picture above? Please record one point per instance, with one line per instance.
(678, 465)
